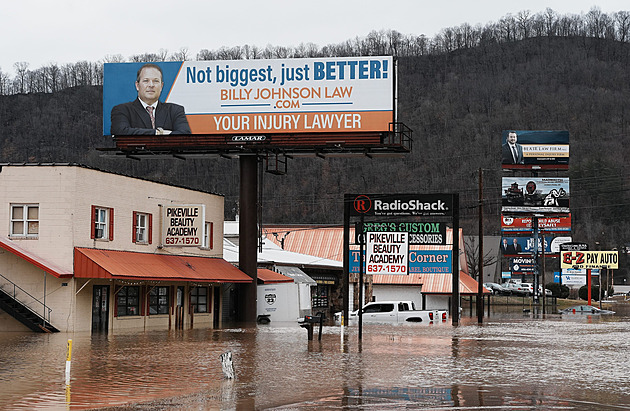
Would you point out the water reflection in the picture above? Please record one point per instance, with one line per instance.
(511, 361)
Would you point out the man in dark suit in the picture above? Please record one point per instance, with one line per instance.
(505, 246)
(512, 151)
(514, 248)
(146, 115)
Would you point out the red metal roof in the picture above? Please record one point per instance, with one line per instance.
(327, 241)
(37, 261)
(272, 277)
(94, 263)
(431, 283)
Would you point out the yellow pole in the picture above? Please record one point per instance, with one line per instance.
(68, 360)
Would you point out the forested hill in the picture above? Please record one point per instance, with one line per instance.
(456, 102)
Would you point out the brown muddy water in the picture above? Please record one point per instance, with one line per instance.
(513, 360)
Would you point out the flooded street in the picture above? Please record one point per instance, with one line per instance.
(512, 361)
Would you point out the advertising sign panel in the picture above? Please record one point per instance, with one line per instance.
(525, 245)
(522, 265)
(524, 224)
(387, 253)
(524, 149)
(183, 225)
(402, 205)
(261, 97)
(535, 195)
(570, 279)
(420, 262)
(574, 246)
(589, 259)
(419, 232)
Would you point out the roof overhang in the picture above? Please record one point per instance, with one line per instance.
(34, 259)
(128, 265)
(271, 277)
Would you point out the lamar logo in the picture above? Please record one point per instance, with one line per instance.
(270, 298)
(362, 204)
(248, 139)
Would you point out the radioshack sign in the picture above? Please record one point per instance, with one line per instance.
(402, 205)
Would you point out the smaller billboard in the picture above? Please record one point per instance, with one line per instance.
(420, 262)
(183, 225)
(570, 279)
(387, 253)
(400, 204)
(521, 265)
(590, 259)
(546, 224)
(530, 148)
(535, 195)
(526, 245)
(419, 232)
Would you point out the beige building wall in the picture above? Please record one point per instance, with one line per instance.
(65, 195)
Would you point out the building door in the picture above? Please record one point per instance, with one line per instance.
(100, 308)
(216, 307)
(179, 308)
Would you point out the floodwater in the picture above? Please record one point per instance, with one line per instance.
(521, 361)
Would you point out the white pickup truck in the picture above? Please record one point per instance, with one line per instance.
(395, 312)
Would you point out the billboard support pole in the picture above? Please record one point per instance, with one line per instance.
(480, 278)
(361, 261)
(588, 285)
(455, 262)
(248, 236)
(346, 258)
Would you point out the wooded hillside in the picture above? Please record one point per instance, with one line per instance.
(457, 93)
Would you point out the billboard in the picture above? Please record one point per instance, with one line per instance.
(401, 204)
(527, 149)
(183, 225)
(589, 259)
(420, 262)
(255, 97)
(433, 233)
(525, 245)
(524, 224)
(521, 265)
(535, 195)
(387, 253)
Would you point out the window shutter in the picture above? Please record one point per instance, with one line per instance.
(93, 222)
(133, 227)
(150, 228)
(111, 224)
(211, 236)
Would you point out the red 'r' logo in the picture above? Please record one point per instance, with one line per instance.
(362, 204)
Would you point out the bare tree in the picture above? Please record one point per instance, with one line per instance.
(21, 71)
(471, 246)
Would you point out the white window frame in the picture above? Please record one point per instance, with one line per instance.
(206, 234)
(101, 223)
(26, 221)
(142, 228)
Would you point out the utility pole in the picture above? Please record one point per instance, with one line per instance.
(480, 277)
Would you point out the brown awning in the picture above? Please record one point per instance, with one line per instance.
(268, 277)
(94, 263)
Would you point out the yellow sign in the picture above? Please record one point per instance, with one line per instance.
(590, 259)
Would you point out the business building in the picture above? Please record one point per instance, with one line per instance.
(82, 249)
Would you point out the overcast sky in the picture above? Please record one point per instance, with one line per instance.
(41, 32)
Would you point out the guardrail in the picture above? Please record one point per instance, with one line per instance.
(47, 310)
